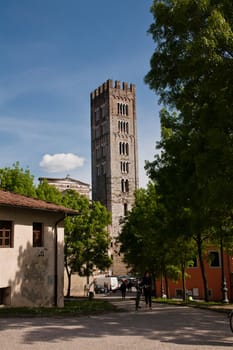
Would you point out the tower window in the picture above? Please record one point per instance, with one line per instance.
(125, 209)
(98, 170)
(97, 115)
(123, 127)
(104, 168)
(124, 148)
(124, 167)
(98, 152)
(122, 109)
(124, 185)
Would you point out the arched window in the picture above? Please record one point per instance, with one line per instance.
(122, 185)
(126, 149)
(123, 148)
(125, 209)
(126, 185)
(122, 109)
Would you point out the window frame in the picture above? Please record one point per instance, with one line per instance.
(4, 238)
(195, 264)
(41, 234)
(213, 252)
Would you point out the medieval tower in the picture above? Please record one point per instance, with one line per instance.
(114, 155)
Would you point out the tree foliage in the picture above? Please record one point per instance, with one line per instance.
(49, 193)
(136, 231)
(17, 180)
(194, 50)
(148, 242)
(86, 236)
(191, 69)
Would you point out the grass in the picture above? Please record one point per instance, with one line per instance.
(84, 306)
(199, 303)
(72, 307)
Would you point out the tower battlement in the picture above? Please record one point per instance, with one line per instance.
(109, 85)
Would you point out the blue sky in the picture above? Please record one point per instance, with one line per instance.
(53, 54)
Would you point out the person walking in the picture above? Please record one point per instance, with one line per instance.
(123, 289)
(147, 287)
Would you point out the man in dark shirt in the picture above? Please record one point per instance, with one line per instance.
(147, 286)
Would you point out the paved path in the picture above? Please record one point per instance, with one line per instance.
(164, 327)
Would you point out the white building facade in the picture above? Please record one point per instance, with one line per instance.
(31, 251)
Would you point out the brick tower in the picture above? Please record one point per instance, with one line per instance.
(114, 155)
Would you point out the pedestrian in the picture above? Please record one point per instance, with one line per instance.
(129, 286)
(123, 289)
(147, 287)
(105, 288)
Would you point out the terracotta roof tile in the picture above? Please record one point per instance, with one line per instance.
(17, 200)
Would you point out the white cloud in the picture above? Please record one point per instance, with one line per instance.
(61, 162)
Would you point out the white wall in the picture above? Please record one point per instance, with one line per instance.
(29, 271)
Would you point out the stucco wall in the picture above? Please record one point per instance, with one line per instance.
(30, 271)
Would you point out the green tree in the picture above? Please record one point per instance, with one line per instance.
(194, 51)
(135, 237)
(181, 194)
(191, 69)
(148, 241)
(49, 193)
(86, 237)
(17, 180)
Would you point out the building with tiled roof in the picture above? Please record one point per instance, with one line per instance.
(31, 251)
(16, 200)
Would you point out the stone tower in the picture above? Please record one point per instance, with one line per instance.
(114, 155)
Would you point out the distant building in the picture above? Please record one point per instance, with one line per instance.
(68, 183)
(215, 266)
(31, 251)
(114, 155)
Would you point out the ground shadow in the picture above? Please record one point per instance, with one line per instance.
(166, 324)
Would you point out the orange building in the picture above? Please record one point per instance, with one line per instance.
(194, 283)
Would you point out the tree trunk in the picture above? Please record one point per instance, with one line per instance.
(69, 273)
(166, 284)
(183, 282)
(161, 286)
(202, 266)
